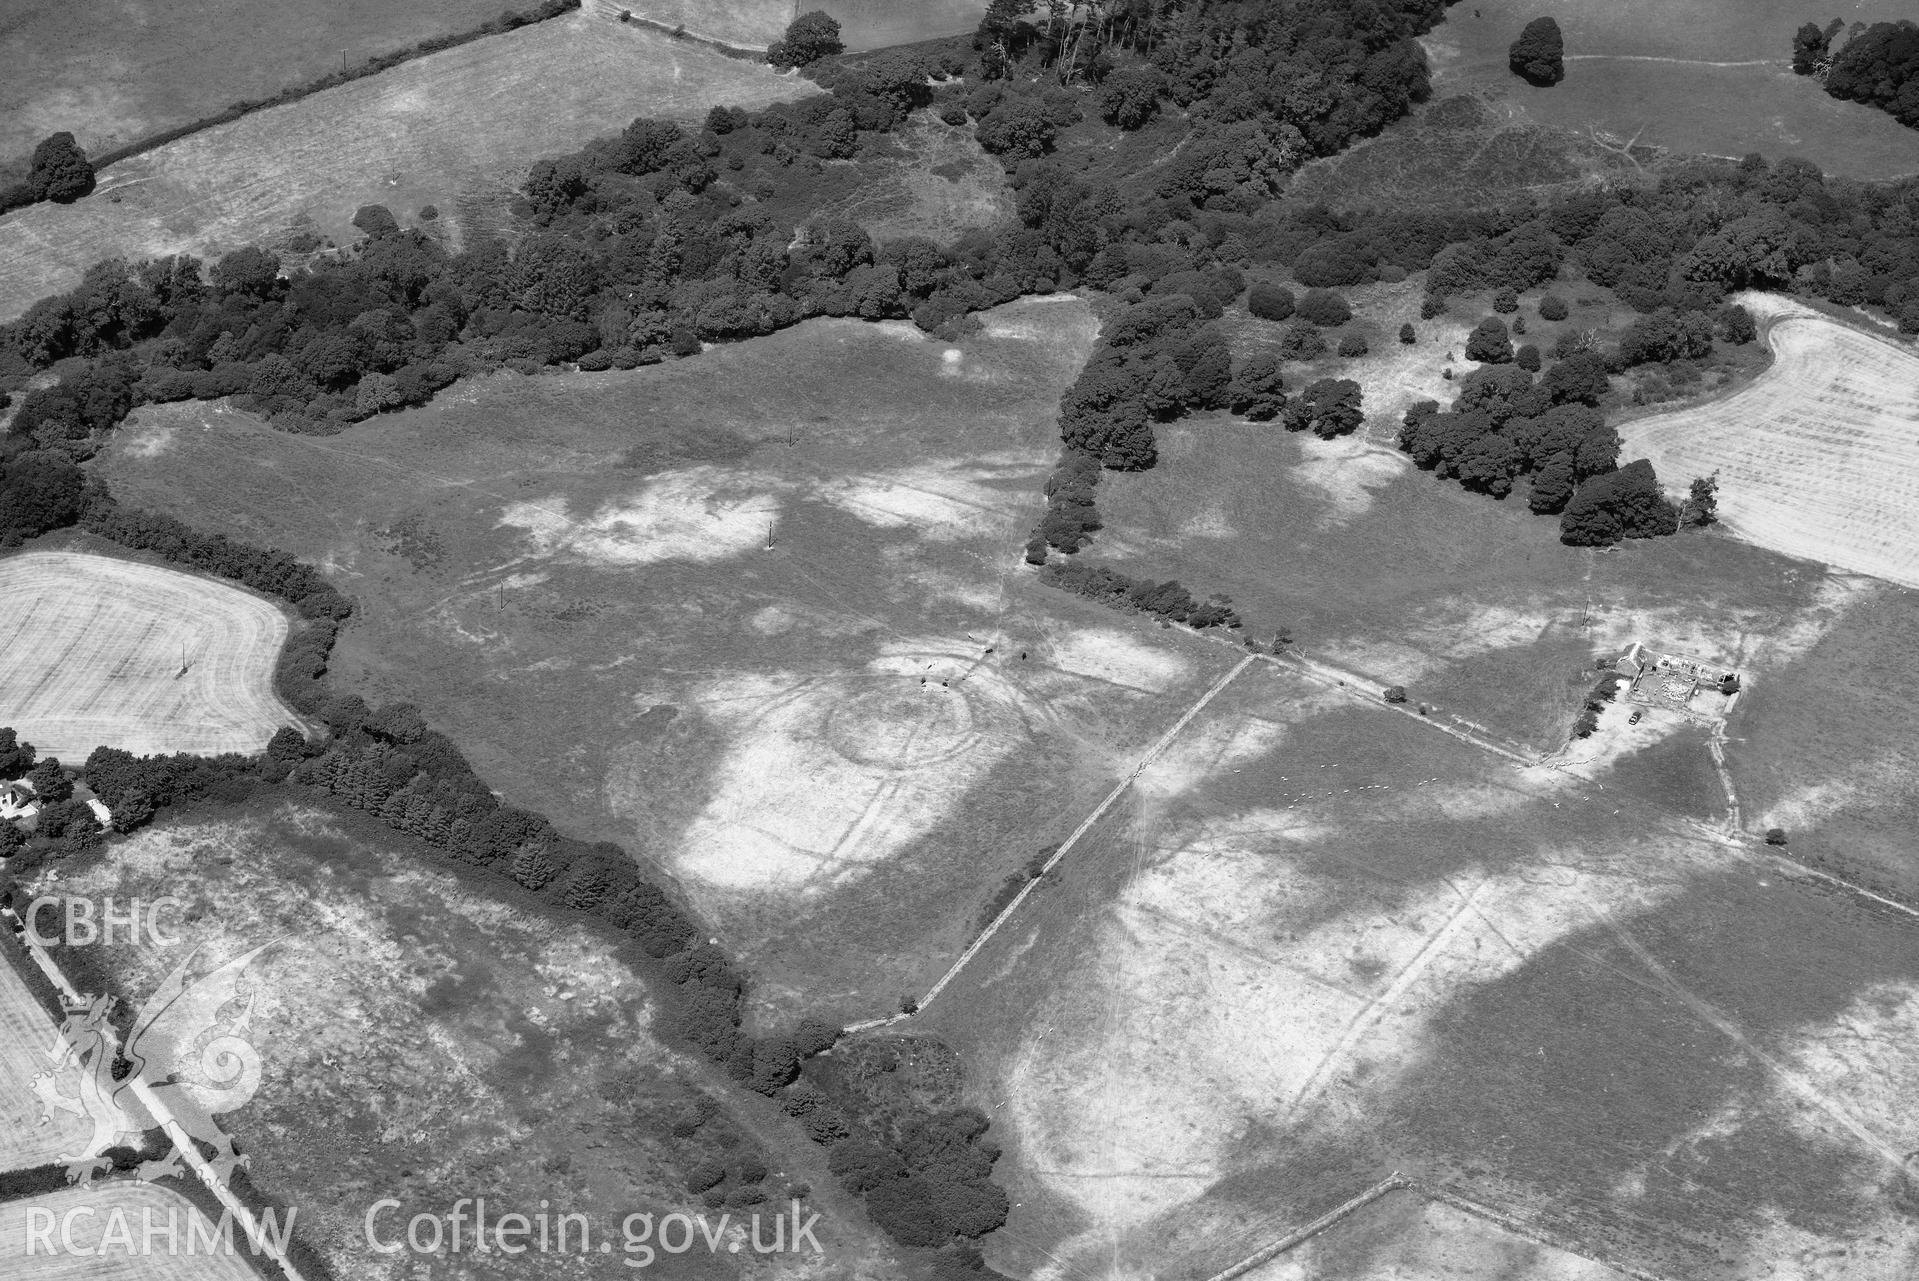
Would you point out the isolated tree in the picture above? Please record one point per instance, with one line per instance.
(1539, 55)
(1701, 507)
(1553, 307)
(61, 171)
(1505, 302)
(1488, 342)
(1527, 358)
(1406, 334)
(809, 37)
(1395, 693)
(1775, 836)
(1270, 302)
(1353, 344)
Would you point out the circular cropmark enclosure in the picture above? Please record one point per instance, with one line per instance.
(896, 724)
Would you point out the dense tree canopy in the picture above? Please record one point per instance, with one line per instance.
(1879, 67)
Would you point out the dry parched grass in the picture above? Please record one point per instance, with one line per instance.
(468, 120)
(111, 1243)
(1819, 456)
(95, 648)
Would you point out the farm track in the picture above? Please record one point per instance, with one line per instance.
(1119, 789)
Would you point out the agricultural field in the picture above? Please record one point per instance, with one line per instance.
(111, 72)
(422, 1042)
(1704, 76)
(864, 24)
(1817, 458)
(1320, 944)
(1825, 748)
(840, 744)
(27, 1036)
(100, 1252)
(451, 130)
(108, 652)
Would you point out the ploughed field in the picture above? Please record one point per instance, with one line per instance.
(96, 651)
(1819, 456)
(101, 1233)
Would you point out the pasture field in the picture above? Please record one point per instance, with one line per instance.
(108, 652)
(1321, 942)
(453, 129)
(423, 1042)
(1817, 457)
(1407, 1235)
(1702, 76)
(27, 1034)
(112, 72)
(1825, 749)
(99, 1249)
(841, 745)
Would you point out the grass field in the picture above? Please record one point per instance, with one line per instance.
(110, 72)
(106, 652)
(1406, 1235)
(841, 745)
(1826, 748)
(453, 130)
(1817, 458)
(108, 1244)
(27, 1036)
(1708, 76)
(1346, 945)
(424, 1043)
